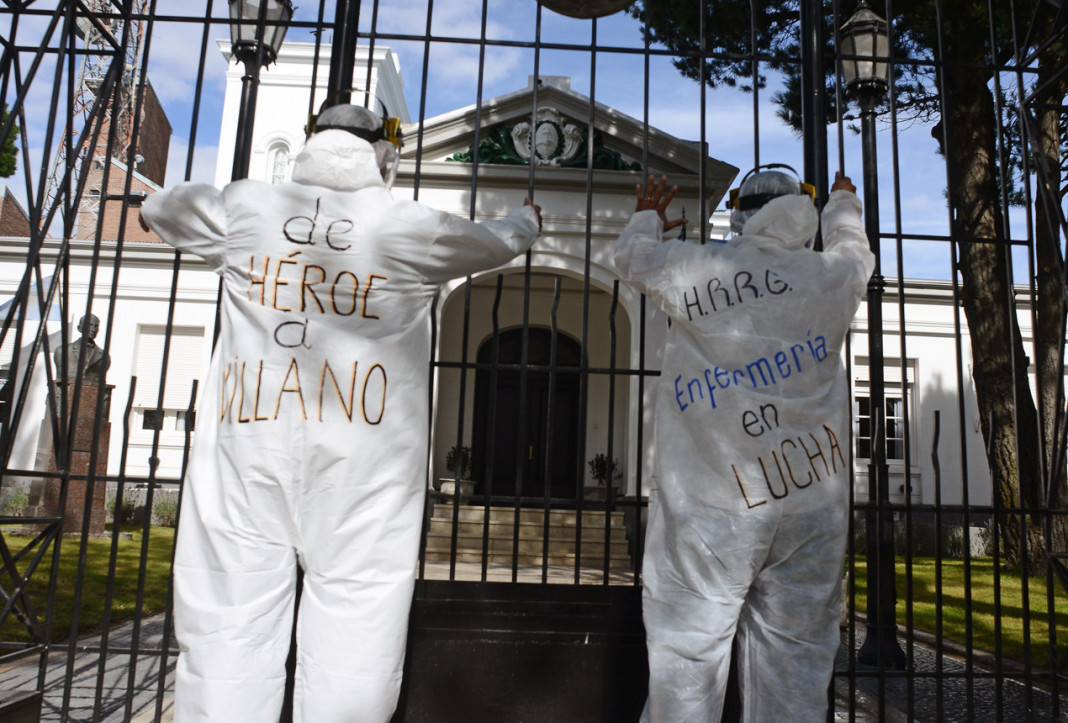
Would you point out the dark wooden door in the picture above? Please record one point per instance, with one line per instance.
(526, 422)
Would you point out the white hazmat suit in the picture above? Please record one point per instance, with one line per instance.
(746, 531)
(310, 441)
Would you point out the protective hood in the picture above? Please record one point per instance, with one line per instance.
(790, 220)
(339, 160)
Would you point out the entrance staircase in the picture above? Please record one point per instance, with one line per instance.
(561, 536)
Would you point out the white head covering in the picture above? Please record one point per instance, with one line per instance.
(317, 163)
(760, 188)
(354, 119)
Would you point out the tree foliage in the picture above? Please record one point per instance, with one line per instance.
(8, 149)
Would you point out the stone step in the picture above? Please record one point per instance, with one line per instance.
(442, 542)
(527, 530)
(477, 513)
(615, 562)
(20, 706)
(471, 521)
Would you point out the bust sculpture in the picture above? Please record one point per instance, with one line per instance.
(93, 365)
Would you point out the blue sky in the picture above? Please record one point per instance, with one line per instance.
(674, 103)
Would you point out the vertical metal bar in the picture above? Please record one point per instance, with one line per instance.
(116, 529)
(609, 496)
(168, 615)
(316, 55)
(521, 453)
(1022, 518)
(1010, 302)
(940, 66)
(114, 99)
(813, 89)
(343, 51)
(430, 502)
(702, 160)
(1051, 458)
(839, 84)
(554, 331)
(640, 506)
(455, 501)
(851, 546)
(532, 166)
(755, 60)
(246, 116)
(584, 365)
(371, 60)
(907, 395)
(422, 104)
(880, 648)
(491, 452)
(639, 503)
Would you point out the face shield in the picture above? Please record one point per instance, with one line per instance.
(388, 156)
(760, 186)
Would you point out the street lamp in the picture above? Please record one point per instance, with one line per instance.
(865, 53)
(257, 28)
(586, 8)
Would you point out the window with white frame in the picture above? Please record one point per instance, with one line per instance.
(278, 163)
(895, 427)
(897, 393)
(183, 366)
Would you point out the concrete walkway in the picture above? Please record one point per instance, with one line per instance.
(950, 694)
(126, 682)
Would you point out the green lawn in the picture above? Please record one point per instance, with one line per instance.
(986, 610)
(924, 609)
(94, 592)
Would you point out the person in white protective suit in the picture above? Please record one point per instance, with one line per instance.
(311, 440)
(746, 535)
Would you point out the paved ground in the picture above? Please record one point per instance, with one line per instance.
(122, 673)
(960, 697)
(948, 695)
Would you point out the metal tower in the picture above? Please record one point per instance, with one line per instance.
(111, 31)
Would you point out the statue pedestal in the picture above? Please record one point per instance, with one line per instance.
(81, 453)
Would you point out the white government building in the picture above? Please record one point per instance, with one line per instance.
(580, 219)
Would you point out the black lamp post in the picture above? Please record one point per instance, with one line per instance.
(257, 28)
(865, 52)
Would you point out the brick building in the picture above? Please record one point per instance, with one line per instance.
(13, 219)
(149, 171)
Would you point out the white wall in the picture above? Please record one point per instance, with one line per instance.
(283, 100)
(143, 292)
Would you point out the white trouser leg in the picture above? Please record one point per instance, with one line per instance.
(788, 632)
(234, 628)
(359, 573)
(696, 578)
(350, 648)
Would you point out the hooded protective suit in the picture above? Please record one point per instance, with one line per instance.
(310, 440)
(746, 531)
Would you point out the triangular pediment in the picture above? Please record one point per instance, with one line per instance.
(556, 119)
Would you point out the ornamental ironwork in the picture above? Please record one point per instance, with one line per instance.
(550, 141)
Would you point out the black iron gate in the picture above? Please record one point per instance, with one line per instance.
(543, 373)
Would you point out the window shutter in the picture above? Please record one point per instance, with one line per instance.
(184, 365)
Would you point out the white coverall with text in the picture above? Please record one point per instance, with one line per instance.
(747, 526)
(311, 438)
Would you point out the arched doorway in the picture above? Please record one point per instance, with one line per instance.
(526, 423)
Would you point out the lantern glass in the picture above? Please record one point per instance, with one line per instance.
(244, 24)
(865, 49)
